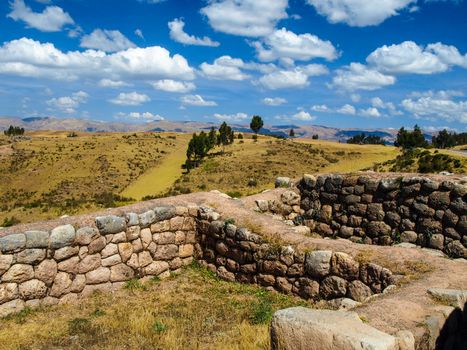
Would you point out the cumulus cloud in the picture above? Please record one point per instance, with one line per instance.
(303, 116)
(292, 78)
(370, 112)
(30, 58)
(237, 117)
(130, 99)
(408, 57)
(357, 76)
(52, 19)
(109, 83)
(252, 18)
(359, 13)
(106, 40)
(145, 116)
(347, 109)
(178, 34)
(196, 100)
(274, 101)
(170, 85)
(68, 104)
(224, 68)
(286, 45)
(437, 106)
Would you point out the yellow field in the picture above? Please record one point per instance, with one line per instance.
(161, 177)
(250, 167)
(369, 155)
(48, 174)
(194, 310)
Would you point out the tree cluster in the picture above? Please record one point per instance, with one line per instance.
(410, 139)
(363, 139)
(445, 139)
(14, 131)
(200, 144)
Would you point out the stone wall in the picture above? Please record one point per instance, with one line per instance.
(236, 254)
(425, 211)
(39, 267)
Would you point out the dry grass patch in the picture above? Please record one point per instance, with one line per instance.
(193, 310)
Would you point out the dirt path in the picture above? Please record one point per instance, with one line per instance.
(158, 179)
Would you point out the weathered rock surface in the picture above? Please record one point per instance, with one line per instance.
(300, 328)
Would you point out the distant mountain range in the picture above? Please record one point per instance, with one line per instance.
(86, 125)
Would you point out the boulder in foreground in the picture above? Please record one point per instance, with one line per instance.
(299, 328)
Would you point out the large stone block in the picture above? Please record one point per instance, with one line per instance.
(37, 239)
(110, 224)
(62, 236)
(300, 328)
(86, 235)
(46, 271)
(18, 273)
(318, 263)
(30, 256)
(33, 289)
(12, 243)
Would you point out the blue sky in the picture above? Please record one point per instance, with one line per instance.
(343, 63)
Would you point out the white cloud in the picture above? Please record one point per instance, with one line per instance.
(370, 112)
(173, 86)
(237, 117)
(347, 109)
(196, 100)
(359, 13)
(146, 116)
(388, 106)
(448, 54)
(286, 45)
(292, 78)
(224, 68)
(68, 104)
(130, 99)
(357, 76)
(274, 101)
(252, 18)
(178, 34)
(30, 58)
(355, 98)
(408, 57)
(303, 116)
(106, 40)
(320, 108)
(437, 106)
(52, 19)
(108, 83)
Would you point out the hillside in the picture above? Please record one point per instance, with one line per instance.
(47, 174)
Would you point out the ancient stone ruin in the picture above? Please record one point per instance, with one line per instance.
(49, 263)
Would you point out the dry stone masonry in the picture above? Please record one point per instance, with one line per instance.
(46, 268)
(236, 254)
(39, 267)
(372, 210)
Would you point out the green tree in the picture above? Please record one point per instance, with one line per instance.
(256, 124)
(410, 139)
(315, 137)
(444, 139)
(292, 133)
